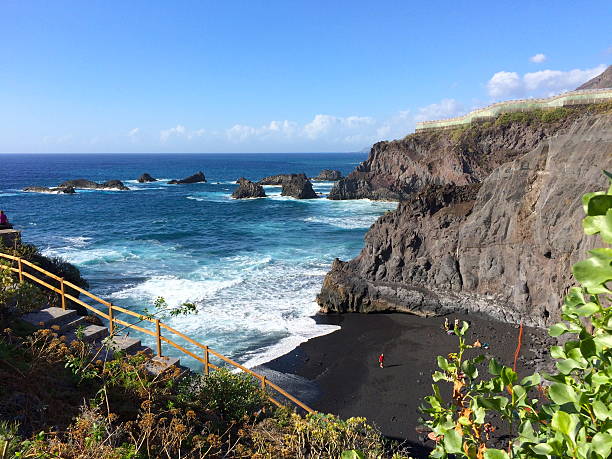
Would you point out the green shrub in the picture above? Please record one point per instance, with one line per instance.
(574, 419)
(233, 396)
(556, 114)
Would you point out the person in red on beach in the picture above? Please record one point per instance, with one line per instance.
(381, 360)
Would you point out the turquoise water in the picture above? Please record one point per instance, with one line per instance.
(253, 267)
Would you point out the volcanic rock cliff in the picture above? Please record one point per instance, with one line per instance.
(394, 169)
(502, 247)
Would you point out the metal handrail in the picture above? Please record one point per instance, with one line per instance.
(110, 316)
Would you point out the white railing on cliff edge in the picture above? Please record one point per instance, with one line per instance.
(25, 269)
(582, 97)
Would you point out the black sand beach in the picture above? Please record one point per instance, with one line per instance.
(343, 365)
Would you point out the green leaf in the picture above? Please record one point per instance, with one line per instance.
(531, 380)
(352, 454)
(557, 352)
(601, 224)
(557, 329)
(588, 348)
(575, 297)
(453, 441)
(596, 270)
(587, 197)
(495, 454)
(602, 444)
(494, 367)
(542, 449)
(604, 340)
(599, 204)
(562, 393)
(508, 376)
(567, 365)
(601, 411)
(442, 363)
(565, 423)
(587, 310)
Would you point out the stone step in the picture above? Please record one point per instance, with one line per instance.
(78, 322)
(125, 344)
(90, 333)
(158, 365)
(45, 318)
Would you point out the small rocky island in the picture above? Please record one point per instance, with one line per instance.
(70, 187)
(195, 178)
(85, 184)
(247, 189)
(52, 190)
(280, 179)
(299, 187)
(146, 178)
(328, 175)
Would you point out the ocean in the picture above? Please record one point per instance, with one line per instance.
(253, 267)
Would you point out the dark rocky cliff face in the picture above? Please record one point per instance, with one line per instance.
(503, 248)
(395, 169)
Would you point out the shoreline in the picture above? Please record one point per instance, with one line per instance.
(338, 373)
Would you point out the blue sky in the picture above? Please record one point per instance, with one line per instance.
(276, 76)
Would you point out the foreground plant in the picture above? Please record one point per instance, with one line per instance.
(569, 416)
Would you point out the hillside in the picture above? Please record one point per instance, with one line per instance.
(601, 81)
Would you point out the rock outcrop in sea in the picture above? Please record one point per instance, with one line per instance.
(145, 178)
(248, 189)
(85, 184)
(195, 178)
(280, 179)
(299, 187)
(328, 175)
(52, 190)
(490, 220)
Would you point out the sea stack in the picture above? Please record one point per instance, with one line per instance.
(195, 178)
(145, 178)
(298, 187)
(248, 189)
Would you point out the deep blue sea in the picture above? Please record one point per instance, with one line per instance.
(253, 267)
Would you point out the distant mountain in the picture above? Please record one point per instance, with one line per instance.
(601, 81)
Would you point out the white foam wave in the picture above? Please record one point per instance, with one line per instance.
(174, 290)
(78, 256)
(78, 241)
(301, 331)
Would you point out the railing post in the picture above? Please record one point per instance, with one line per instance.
(263, 383)
(158, 335)
(111, 321)
(206, 369)
(20, 269)
(63, 294)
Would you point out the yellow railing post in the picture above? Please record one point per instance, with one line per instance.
(158, 335)
(263, 382)
(63, 294)
(206, 369)
(20, 269)
(111, 322)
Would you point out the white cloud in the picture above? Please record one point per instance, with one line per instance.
(323, 132)
(446, 108)
(538, 84)
(538, 58)
(133, 135)
(178, 131)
